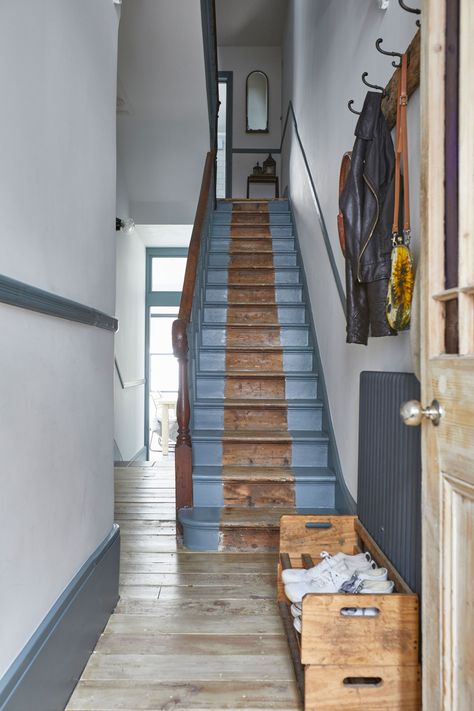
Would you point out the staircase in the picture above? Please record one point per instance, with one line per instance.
(259, 449)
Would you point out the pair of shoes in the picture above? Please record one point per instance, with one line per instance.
(341, 578)
(360, 561)
(296, 611)
(360, 611)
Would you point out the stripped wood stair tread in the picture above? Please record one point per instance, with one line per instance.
(257, 517)
(255, 348)
(267, 402)
(257, 473)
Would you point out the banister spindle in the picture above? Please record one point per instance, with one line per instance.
(183, 456)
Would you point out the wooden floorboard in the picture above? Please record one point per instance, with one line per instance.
(191, 630)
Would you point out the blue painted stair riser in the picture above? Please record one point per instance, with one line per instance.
(314, 481)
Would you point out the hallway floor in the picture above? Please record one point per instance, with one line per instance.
(191, 630)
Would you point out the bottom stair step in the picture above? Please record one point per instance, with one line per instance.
(232, 528)
(255, 487)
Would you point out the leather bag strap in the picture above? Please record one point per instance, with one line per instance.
(401, 155)
(343, 173)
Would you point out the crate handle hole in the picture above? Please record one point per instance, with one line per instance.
(317, 524)
(360, 612)
(363, 681)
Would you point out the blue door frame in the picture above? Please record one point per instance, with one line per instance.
(228, 79)
(156, 298)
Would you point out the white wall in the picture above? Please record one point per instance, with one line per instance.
(241, 61)
(57, 201)
(130, 342)
(328, 44)
(163, 137)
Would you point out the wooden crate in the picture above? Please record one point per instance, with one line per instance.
(334, 647)
(364, 688)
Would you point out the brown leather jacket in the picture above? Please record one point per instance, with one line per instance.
(367, 206)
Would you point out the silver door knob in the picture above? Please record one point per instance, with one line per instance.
(412, 412)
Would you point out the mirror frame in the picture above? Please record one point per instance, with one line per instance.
(256, 130)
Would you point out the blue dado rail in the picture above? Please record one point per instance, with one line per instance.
(319, 211)
(25, 296)
(290, 113)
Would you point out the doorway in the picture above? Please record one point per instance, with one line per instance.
(224, 136)
(164, 281)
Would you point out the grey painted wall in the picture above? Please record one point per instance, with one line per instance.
(129, 403)
(57, 201)
(327, 47)
(241, 61)
(164, 135)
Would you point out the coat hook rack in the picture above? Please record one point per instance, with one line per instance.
(349, 106)
(410, 9)
(390, 100)
(373, 86)
(389, 54)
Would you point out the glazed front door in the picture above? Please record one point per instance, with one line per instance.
(447, 308)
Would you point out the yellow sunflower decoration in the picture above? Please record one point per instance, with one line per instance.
(400, 288)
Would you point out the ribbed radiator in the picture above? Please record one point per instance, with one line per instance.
(389, 474)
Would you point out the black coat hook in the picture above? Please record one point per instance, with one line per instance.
(349, 106)
(389, 54)
(410, 9)
(373, 86)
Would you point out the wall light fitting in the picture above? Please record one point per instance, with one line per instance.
(127, 225)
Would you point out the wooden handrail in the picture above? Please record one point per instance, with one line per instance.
(183, 451)
(187, 294)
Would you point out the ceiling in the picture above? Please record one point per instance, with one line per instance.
(164, 235)
(250, 23)
(162, 120)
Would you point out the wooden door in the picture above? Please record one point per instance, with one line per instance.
(447, 284)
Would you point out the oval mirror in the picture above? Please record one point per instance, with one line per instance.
(257, 102)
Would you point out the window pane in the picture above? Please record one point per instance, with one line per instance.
(451, 327)
(160, 335)
(165, 310)
(164, 374)
(167, 273)
(221, 139)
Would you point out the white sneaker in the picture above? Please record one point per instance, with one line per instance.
(358, 584)
(333, 580)
(360, 561)
(297, 624)
(360, 611)
(296, 610)
(377, 587)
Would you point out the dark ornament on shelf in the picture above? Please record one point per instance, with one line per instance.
(257, 169)
(269, 165)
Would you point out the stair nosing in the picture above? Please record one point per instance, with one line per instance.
(230, 267)
(243, 251)
(261, 435)
(257, 349)
(254, 304)
(246, 286)
(220, 324)
(262, 402)
(254, 374)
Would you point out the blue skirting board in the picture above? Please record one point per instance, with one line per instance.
(43, 676)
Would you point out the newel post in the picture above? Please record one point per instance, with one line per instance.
(183, 457)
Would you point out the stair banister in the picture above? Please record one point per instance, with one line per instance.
(183, 450)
